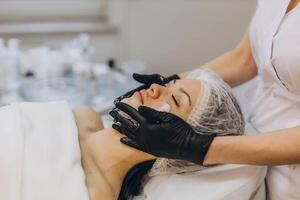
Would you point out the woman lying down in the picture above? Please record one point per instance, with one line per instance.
(41, 158)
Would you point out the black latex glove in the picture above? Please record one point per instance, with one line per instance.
(161, 134)
(147, 80)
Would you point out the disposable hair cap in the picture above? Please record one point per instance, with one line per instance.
(216, 112)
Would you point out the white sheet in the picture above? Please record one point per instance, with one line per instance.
(223, 182)
(39, 153)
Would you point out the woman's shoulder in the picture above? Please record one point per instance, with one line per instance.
(88, 121)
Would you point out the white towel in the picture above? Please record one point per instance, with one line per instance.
(40, 156)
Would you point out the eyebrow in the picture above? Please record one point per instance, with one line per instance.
(184, 92)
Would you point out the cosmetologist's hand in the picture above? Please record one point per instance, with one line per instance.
(147, 80)
(161, 134)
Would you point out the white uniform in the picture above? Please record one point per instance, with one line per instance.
(275, 41)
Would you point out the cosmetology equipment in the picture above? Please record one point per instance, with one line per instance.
(9, 64)
(9, 70)
(98, 93)
(66, 72)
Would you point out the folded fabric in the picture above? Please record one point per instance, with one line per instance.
(40, 155)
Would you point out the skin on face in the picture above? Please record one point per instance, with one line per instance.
(181, 95)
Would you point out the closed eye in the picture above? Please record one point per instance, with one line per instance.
(175, 101)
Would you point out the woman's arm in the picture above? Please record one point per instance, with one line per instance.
(274, 148)
(236, 66)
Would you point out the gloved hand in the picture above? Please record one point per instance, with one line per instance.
(161, 134)
(147, 80)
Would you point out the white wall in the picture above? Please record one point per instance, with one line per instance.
(176, 35)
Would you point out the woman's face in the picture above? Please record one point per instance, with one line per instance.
(179, 95)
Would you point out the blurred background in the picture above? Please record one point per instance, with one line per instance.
(85, 51)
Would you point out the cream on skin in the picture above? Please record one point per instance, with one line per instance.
(165, 107)
(106, 161)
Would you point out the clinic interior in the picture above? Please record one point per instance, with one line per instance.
(162, 36)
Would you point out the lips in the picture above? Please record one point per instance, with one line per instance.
(139, 95)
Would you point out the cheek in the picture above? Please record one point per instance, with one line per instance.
(152, 104)
(132, 102)
(180, 113)
(165, 107)
(158, 105)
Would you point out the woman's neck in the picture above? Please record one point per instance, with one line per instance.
(112, 159)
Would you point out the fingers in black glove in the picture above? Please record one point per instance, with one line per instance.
(127, 123)
(164, 134)
(130, 93)
(124, 125)
(118, 127)
(171, 78)
(123, 130)
(131, 112)
(147, 80)
(131, 143)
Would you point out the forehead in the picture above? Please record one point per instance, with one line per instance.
(192, 87)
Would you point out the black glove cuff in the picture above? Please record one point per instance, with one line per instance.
(199, 147)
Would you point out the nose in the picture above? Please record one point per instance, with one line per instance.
(155, 91)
